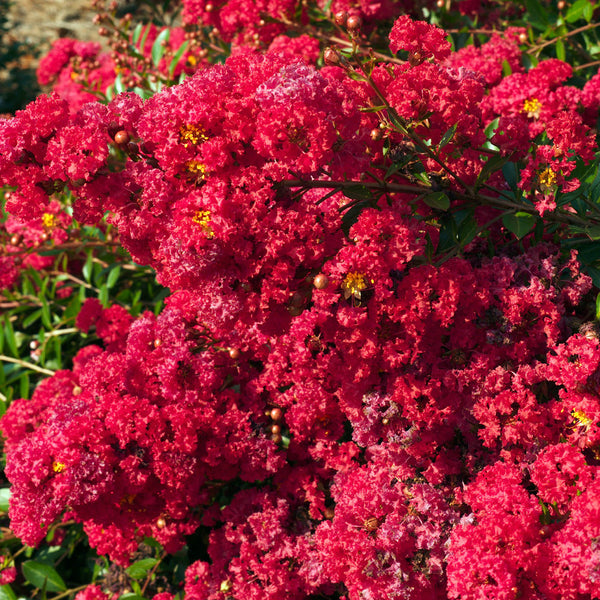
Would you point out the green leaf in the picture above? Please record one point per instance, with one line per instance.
(118, 85)
(490, 129)
(135, 36)
(7, 593)
(357, 192)
(177, 57)
(43, 576)
(4, 496)
(593, 232)
(113, 276)
(86, 271)
(538, 15)
(437, 200)
(561, 53)
(598, 307)
(32, 318)
(520, 223)
(506, 68)
(103, 296)
(9, 334)
(511, 174)
(578, 10)
(588, 11)
(158, 49)
(24, 385)
(447, 136)
(46, 320)
(140, 569)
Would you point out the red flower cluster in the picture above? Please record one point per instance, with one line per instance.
(346, 416)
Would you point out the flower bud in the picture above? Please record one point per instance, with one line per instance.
(341, 18)
(121, 137)
(234, 353)
(276, 414)
(354, 23)
(321, 281)
(331, 57)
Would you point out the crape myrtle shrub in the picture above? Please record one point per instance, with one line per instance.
(373, 368)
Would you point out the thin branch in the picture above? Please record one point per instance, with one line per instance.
(25, 364)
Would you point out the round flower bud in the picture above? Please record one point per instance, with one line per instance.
(341, 18)
(275, 429)
(276, 414)
(331, 57)
(561, 4)
(354, 22)
(15, 240)
(121, 137)
(277, 438)
(321, 281)
(161, 523)
(234, 353)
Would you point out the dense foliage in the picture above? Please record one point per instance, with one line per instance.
(300, 301)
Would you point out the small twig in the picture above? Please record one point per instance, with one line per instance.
(27, 365)
(534, 49)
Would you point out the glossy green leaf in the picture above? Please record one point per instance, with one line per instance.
(538, 14)
(357, 192)
(7, 593)
(561, 53)
(4, 496)
(140, 568)
(520, 223)
(113, 276)
(437, 200)
(576, 10)
(177, 57)
(158, 49)
(447, 137)
(41, 575)
(9, 336)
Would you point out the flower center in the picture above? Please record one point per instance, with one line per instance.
(547, 181)
(192, 134)
(581, 418)
(49, 220)
(354, 283)
(202, 217)
(58, 467)
(532, 106)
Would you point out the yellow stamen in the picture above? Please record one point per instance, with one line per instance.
(58, 467)
(547, 181)
(196, 168)
(582, 418)
(202, 217)
(192, 134)
(353, 284)
(532, 107)
(49, 220)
